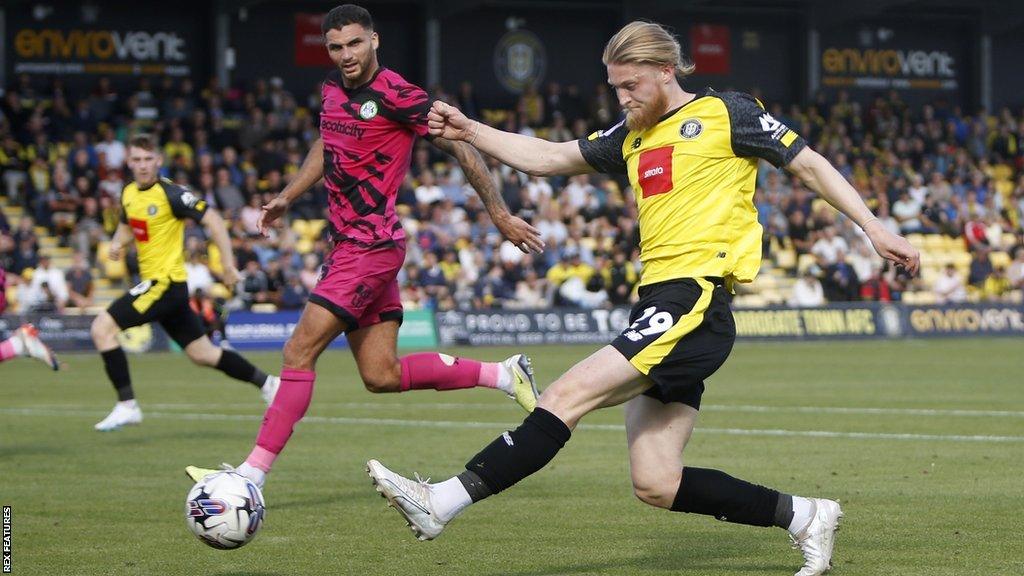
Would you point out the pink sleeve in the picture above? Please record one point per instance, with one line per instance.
(410, 105)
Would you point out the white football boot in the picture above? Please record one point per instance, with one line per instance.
(269, 389)
(35, 347)
(122, 415)
(410, 497)
(524, 388)
(818, 538)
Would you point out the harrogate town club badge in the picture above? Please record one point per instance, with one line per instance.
(691, 129)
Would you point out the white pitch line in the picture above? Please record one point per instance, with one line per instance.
(856, 411)
(499, 425)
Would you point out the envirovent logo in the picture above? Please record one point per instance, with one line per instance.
(100, 45)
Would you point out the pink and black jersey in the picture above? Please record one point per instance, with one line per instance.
(368, 133)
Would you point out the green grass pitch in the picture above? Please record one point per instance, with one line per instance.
(922, 441)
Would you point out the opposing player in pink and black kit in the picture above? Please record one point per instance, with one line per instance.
(370, 117)
(23, 342)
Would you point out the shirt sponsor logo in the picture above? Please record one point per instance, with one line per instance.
(770, 124)
(344, 128)
(691, 128)
(189, 199)
(140, 228)
(655, 171)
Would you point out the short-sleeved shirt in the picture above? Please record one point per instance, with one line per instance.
(368, 133)
(156, 216)
(693, 175)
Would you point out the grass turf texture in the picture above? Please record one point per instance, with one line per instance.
(94, 503)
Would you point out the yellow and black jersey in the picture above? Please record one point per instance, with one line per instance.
(156, 216)
(693, 175)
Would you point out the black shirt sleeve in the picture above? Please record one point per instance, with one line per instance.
(756, 133)
(124, 213)
(184, 203)
(603, 149)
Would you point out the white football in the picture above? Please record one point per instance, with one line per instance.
(224, 510)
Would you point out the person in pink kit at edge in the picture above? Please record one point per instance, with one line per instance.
(23, 342)
(370, 118)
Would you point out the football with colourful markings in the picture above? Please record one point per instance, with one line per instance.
(224, 510)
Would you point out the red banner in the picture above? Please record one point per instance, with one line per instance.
(309, 41)
(709, 47)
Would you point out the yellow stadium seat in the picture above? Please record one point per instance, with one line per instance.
(786, 259)
(999, 259)
(300, 227)
(316, 227)
(12, 297)
(213, 259)
(804, 262)
(304, 245)
(112, 269)
(218, 290)
(925, 298)
(918, 239)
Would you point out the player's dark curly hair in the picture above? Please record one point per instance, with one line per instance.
(344, 15)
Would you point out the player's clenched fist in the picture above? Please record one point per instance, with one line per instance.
(447, 121)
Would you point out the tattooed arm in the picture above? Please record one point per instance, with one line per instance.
(515, 229)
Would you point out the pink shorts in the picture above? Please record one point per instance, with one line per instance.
(359, 284)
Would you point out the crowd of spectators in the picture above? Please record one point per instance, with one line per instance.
(923, 170)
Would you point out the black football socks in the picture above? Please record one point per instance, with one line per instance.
(116, 364)
(515, 455)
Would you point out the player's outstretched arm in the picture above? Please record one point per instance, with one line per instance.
(311, 171)
(218, 232)
(531, 155)
(515, 229)
(819, 175)
(122, 236)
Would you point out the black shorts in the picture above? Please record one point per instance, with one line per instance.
(160, 301)
(681, 332)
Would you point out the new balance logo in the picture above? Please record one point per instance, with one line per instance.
(508, 438)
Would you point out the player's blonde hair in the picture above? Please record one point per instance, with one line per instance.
(642, 42)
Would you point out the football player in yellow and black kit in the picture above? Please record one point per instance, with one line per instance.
(153, 213)
(691, 159)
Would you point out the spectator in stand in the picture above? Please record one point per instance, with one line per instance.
(491, 290)
(807, 292)
(949, 286)
(531, 292)
(570, 265)
(198, 275)
(294, 294)
(79, 282)
(428, 192)
(997, 286)
(620, 277)
(48, 289)
(981, 267)
(255, 285)
(876, 288)
(840, 282)
(829, 246)
(111, 151)
(1015, 274)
